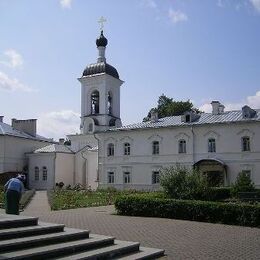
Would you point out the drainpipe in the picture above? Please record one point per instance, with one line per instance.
(86, 169)
(98, 177)
(193, 146)
(54, 168)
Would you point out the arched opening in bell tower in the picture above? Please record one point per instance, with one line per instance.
(109, 103)
(95, 102)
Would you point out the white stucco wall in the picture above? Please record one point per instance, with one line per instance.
(64, 168)
(41, 160)
(12, 152)
(141, 163)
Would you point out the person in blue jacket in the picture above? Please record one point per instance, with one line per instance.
(13, 193)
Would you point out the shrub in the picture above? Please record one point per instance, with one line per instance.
(182, 183)
(205, 211)
(243, 184)
(217, 193)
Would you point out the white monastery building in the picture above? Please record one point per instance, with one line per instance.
(106, 154)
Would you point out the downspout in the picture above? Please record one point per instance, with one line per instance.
(86, 168)
(98, 172)
(54, 169)
(193, 146)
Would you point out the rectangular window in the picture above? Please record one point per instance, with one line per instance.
(111, 177)
(36, 173)
(156, 148)
(126, 149)
(245, 144)
(155, 177)
(211, 145)
(247, 172)
(127, 177)
(110, 150)
(44, 174)
(182, 146)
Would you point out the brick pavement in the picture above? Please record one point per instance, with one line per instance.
(180, 239)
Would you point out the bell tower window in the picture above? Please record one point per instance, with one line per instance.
(95, 102)
(109, 103)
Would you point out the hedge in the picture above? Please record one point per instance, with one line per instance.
(205, 211)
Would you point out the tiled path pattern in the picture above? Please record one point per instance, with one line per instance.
(180, 239)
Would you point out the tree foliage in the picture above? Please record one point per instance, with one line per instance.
(243, 184)
(168, 107)
(182, 183)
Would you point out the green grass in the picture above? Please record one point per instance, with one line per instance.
(69, 199)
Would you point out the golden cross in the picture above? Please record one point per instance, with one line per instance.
(102, 20)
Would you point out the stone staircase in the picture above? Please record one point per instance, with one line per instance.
(24, 237)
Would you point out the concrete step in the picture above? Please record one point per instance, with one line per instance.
(108, 252)
(24, 237)
(40, 229)
(12, 221)
(144, 253)
(55, 250)
(68, 234)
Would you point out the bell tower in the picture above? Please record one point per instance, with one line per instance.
(100, 93)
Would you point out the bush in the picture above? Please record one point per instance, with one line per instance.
(205, 211)
(243, 184)
(182, 183)
(217, 193)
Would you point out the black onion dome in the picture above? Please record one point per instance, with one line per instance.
(100, 67)
(101, 41)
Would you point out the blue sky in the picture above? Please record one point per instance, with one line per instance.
(200, 50)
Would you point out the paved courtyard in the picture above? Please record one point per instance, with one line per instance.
(180, 239)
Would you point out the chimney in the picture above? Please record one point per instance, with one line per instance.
(61, 141)
(221, 108)
(1, 119)
(154, 116)
(215, 107)
(28, 126)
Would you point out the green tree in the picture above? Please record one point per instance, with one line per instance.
(168, 107)
(182, 183)
(243, 184)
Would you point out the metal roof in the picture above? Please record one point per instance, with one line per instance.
(205, 118)
(54, 148)
(6, 129)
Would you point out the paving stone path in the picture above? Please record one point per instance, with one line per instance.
(180, 239)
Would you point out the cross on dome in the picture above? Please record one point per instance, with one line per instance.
(101, 21)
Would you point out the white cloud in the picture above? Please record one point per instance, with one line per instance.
(14, 59)
(177, 16)
(220, 3)
(252, 101)
(9, 84)
(149, 3)
(256, 4)
(66, 3)
(58, 124)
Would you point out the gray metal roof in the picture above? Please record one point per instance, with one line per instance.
(205, 118)
(6, 129)
(54, 148)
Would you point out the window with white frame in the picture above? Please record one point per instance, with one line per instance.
(245, 143)
(155, 177)
(111, 177)
(212, 145)
(156, 147)
(127, 177)
(44, 173)
(36, 173)
(182, 146)
(247, 172)
(127, 148)
(110, 149)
